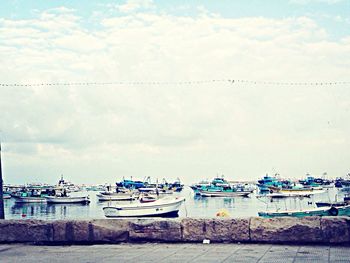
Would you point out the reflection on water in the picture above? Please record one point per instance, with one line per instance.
(195, 206)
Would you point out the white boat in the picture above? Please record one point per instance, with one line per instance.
(285, 195)
(297, 191)
(67, 199)
(168, 206)
(30, 199)
(224, 193)
(108, 196)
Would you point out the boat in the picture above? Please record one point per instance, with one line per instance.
(168, 206)
(297, 191)
(201, 185)
(114, 196)
(6, 196)
(67, 199)
(285, 195)
(271, 181)
(68, 186)
(31, 195)
(318, 211)
(30, 199)
(176, 186)
(223, 193)
(147, 199)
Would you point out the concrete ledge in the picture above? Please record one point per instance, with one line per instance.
(316, 230)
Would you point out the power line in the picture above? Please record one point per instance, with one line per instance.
(194, 82)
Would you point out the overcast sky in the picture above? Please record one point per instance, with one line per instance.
(194, 131)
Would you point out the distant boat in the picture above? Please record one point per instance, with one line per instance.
(285, 195)
(6, 196)
(30, 199)
(271, 181)
(168, 206)
(67, 199)
(114, 196)
(297, 191)
(231, 193)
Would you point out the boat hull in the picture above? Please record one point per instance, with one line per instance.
(285, 195)
(119, 197)
(320, 211)
(68, 200)
(224, 194)
(24, 200)
(153, 209)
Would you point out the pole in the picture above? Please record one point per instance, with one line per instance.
(2, 212)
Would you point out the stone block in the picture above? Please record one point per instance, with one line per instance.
(110, 230)
(25, 231)
(72, 231)
(82, 230)
(335, 230)
(193, 229)
(227, 229)
(59, 230)
(166, 230)
(286, 230)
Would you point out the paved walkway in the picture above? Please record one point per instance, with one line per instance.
(153, 252)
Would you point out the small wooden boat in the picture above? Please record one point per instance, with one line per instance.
(168, 206)
(319, 211)
(107, 196)
(67, 199)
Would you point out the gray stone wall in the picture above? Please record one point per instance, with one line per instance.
(316, 230)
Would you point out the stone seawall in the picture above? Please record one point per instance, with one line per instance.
(315, 230)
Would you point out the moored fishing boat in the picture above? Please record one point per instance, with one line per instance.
(285, 195)
(168, 206)
(271, 181)
(109, 196)
(231, 193)
(319, 211)
(31, 199)
(67, 199)
(297, 191)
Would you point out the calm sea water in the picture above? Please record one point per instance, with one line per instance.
(205, 207)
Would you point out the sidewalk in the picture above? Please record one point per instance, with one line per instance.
(154, 252)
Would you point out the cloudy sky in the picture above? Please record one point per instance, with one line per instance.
(151, 123)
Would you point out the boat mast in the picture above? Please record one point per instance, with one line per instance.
(2, 212)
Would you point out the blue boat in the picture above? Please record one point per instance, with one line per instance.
(309, 182)
(130, 184)
(271, 181)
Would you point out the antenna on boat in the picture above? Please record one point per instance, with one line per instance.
(2, 212)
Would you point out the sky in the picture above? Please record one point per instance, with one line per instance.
(171, 111)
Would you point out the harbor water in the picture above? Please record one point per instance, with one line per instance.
(194, 206)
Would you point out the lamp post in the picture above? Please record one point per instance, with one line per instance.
(2, 212)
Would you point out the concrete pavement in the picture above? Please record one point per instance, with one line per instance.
(155, 252)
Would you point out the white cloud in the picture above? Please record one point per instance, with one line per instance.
(305, 2)
(134, 5)
(194, 130)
